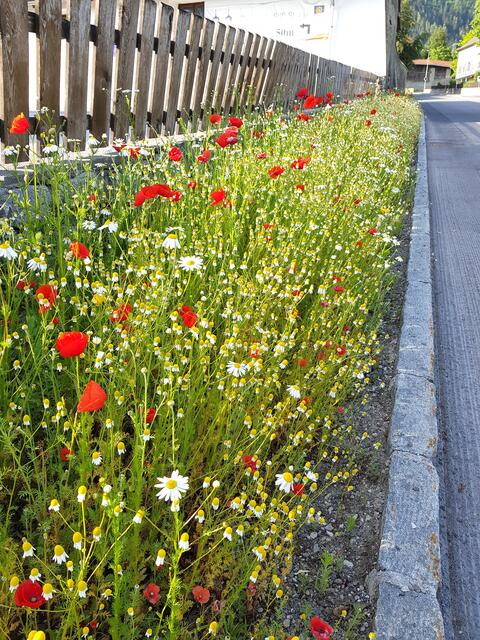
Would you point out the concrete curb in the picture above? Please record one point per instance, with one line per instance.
(408, 574)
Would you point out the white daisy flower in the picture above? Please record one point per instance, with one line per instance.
(89, 225)
(54, 505)
(59, 555)
(236, 369)
(7, 252)
(191, 263)
(110, 225)
(28, 549)
(48, 591)
(38, 263)
(183, 543)
(96, 458)
(171, 242)
(35, 575)
(160, 559)
(77, 540)
(171, 488)
(138, 517)
(284, 481)
(227, 534)
(294, 391)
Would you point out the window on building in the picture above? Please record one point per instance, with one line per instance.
(319, 8)
(196, 7)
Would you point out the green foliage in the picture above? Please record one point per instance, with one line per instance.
(437, 46)
(409, 45)
(454, 15)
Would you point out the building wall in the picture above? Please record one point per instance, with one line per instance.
(468, 62)
(396, 72)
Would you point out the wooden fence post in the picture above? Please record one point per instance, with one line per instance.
(102, 93)
(126, 62)
(78, 71)
(50, 36)
(145, 68)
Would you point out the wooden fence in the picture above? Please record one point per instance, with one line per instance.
(137, 66)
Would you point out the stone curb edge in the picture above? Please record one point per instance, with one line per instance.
(408, 570)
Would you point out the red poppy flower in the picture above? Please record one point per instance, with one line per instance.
(302, 93)
(368, 123)
(320, 629)
(152, 593)
(303, 116)
(318, 101)
(188, 316)
(201, 594)
(79, 250)
(249, 462)
(235, 122)
(340, 410)
(300, 163)
(92, 198)
(258, 134)
(310, 102)
(217, 197)
(339, 289)
(328, 97)
(275, 171)
(268, 225)
(93, 398)
(373, 112)
(150, 417)
(175, 155)
(65, 454)
(359, 243)
(227, 138)
(341, 351)
(302, 362)
(192, 184)
(262, 155)
(20, 124)
(139, 199)
(48, 294)
(22, 284)
(121, 313)
(29, 594)
(204, 156)
(151, 191)
(372, 231)
(357, 201)
(71, 343)
(300, 187)
(215, 118)
(298, 488)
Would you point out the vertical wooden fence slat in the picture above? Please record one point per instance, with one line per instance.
(243, 68)
(161, 69)
(212, 79)
(257, 70)
(263, 72)
(235, 70)
(78, 70)
(14, 33)
(145, 67)
(250, 69)
(102, 92)
(126, 62)
(278, 54)
(183, 20)
(190, 73)
(207, 39)
(50, 37)
(221, 92)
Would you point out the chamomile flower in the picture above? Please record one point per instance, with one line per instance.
(77, 540)
(236, 369)
(37, 264)
(54, 505)
(171, 242)
(7, 252)
(14, 582)
(110, 225)
(59, 555)
(28, 549)
(172, 488)
(184, 542)
(48, 591)
(160, 559)
(35, 575)
(82, 493)
(82, 588)
(294, 391)
(284, 481)
(138, 517)
(190, 263)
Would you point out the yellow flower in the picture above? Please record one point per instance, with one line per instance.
(36, 635)
(213, 628)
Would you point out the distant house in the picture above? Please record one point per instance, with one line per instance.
(468, 59)
(427, 74)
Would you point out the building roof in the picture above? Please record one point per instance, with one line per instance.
(432, 63)
(468, 44)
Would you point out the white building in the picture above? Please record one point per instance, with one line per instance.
(468, 59)
(353, 32)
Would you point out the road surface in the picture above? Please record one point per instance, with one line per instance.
(453, 152)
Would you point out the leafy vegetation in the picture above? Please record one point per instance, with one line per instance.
(454, 15)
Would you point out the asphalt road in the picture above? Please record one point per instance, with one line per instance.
(453, 152)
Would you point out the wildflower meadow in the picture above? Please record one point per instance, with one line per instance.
(181, 333)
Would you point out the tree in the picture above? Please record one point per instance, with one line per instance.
(409, 46)
(476, 20)
(437, 45)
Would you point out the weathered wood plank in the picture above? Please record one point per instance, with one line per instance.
(50, 39)
(213, 77)
(235, 70)
(207, 39)
(102, 88)
(243, 69)
(14, 34)
(161, 69)
(250, 69)
(222, 87)
(263, 72)
(192, 62)
(126, 63)
(145, 67)
(258, 68)
(78, 71)
(174, 94)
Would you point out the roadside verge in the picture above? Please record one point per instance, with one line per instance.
(408, 573)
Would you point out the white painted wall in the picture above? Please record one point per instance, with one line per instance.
(468, 62)
(350, 31)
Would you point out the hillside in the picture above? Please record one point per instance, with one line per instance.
(455, 15)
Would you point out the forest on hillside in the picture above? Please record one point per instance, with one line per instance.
(455, 15)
